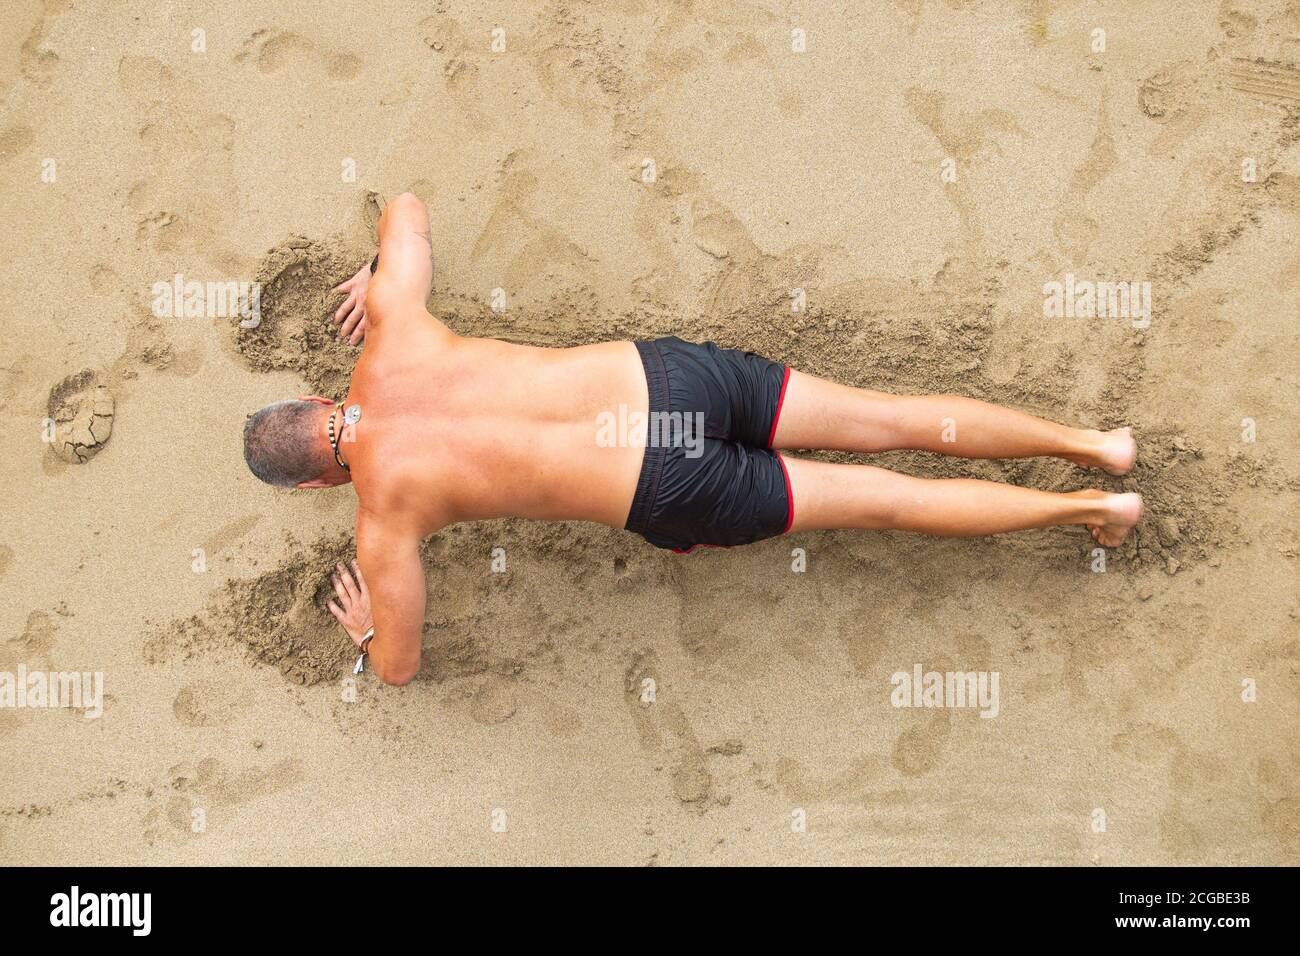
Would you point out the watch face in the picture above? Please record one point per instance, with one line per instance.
(352, 414)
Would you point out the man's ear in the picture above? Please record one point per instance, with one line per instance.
(315, 398)
(315, 483)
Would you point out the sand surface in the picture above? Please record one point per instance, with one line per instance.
(630, 169)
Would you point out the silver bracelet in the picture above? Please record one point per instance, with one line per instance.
(364, 645)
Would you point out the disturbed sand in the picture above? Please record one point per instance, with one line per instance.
(627, 170)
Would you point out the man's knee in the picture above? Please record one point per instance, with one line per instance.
(889, 417)
(883, 498)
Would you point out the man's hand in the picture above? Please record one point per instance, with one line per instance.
(352, 313)
(354, 615)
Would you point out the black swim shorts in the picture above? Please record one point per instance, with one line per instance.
(710, 476)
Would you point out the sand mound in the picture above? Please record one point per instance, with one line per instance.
(81, 410)
(295, 332)
(280, 617)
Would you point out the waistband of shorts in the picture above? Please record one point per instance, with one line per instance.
(652, 465)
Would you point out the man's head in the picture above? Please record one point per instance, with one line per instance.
(285, 444)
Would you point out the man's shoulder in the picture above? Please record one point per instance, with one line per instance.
(381, 528)
(388, 297)
(393, 509)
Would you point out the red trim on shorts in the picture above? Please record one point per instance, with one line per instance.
(789, 493)
(785, 380)
(692, 548)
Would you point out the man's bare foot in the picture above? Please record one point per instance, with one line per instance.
(1119, 452)
(1114, 451)
(1122, 513)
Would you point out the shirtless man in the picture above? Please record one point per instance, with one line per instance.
(439, 428)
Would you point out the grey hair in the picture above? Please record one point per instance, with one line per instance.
(281, 444)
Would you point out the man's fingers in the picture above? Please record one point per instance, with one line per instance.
(350, 322)
(341, 587)
(336, 611)
(346, 308)
(359, 332)
(342, 592)
(357, 314)
(343, 309)
(361, 582)
(353, 591)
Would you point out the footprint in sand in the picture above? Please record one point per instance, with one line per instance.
(444, 36)
(228, 534)
(494, 703)
(1183, 96)
(372, 208)
(586, 73)
(104, 281)
(205, 703)
(180, 139)
(194, 792)
(662, 726)
(13, 141)
(1236, 24)
(918, 749)
(273, 51)
(1167, 94)
(81, 414)
(144, 76)
(36, 60)
(33, 646)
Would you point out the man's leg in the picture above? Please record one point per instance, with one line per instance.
(816, 413)
(860, 496)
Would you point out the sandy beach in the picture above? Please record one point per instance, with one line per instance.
(879, 193)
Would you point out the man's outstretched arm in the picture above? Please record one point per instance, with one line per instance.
(387, 594)
(407, 268)
(405, 272)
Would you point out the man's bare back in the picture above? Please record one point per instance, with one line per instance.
(462, 429)
(449, 428)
